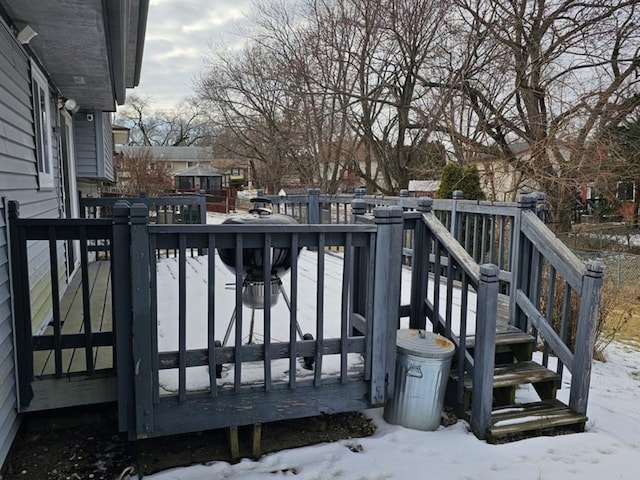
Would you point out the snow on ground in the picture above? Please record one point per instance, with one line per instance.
(608, 449)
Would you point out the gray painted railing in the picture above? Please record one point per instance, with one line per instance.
(442, 268)
(483, 228)
(162, 210)
(370, 306)
(24, 232)
(556, 296)
(144, 412)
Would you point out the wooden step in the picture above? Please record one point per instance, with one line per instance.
(513, 374)
(511, 344)
(505, 335)
(529, 419)
(519, 373)
(508, 376)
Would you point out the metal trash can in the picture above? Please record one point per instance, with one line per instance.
(422, 370)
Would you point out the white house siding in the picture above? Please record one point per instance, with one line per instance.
(19, 182)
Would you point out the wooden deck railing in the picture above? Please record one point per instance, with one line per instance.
(147, 412)
(545, 285)
(51, 240)
(187, 209)
(460, 300)
(485, 229)
(556, 296)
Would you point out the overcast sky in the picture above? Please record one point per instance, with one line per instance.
(179, 33)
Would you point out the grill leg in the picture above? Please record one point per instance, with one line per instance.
(229, 327)
(288, 302)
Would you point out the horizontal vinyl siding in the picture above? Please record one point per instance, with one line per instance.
(9, 420)
(86, 152)
(19, 182)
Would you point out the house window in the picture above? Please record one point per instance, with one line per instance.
(42, 123)
(626, 191)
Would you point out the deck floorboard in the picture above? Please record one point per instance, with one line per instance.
(72, 315)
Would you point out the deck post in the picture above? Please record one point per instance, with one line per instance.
(202, 206)
(142, 332)
(484, 354)
(404, 193)
(386, 301)
(420, 267)
(585, 336)
(519, 265)
(314, 216)
(21, 305)
(121, 307)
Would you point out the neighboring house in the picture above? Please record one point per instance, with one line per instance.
(177, 158)
(500, 180)
(63, 68)
(617, 201)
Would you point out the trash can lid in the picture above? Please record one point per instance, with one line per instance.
(424, 344)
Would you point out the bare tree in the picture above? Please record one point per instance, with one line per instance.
(332, 88)
(140, 172)
(549, 74)
(185, 125)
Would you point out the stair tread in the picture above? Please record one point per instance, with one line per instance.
(522, 372)
(519, 373)
(505, 335)
(533, 416)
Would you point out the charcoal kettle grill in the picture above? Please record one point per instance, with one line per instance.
(253, 285)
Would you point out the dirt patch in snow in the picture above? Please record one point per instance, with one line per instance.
(85, 444)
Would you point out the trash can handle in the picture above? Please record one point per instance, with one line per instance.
(414, 371)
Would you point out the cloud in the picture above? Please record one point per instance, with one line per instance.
(179, 34)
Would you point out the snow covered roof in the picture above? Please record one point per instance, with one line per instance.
(424, 185)
(199, 171)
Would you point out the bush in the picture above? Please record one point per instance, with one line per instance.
(456, 177)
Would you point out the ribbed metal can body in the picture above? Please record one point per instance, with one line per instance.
(423, 362)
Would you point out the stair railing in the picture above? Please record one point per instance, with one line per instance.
(556, 298)
(466, 306)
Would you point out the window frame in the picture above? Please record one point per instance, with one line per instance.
(623, 187)
(43, 129)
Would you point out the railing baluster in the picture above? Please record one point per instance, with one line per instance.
(293, 313)
(182, 318)
(317, 379)
(464, 310)
(346, 308)
(266, 266)
(86, 302)
(565, 321)
(211, 319)
(237, 360)
(55, 299)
